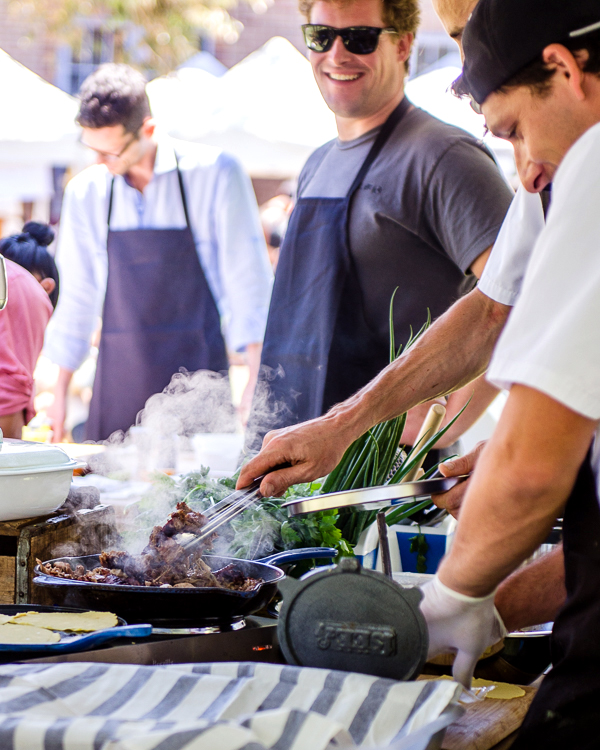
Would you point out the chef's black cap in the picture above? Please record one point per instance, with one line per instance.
(504, 36)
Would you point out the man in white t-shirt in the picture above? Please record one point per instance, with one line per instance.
(534, 67)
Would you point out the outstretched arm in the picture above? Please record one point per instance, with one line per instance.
(452, 353)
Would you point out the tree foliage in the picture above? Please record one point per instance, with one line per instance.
(155, 34)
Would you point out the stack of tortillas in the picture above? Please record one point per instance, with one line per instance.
(29, 628)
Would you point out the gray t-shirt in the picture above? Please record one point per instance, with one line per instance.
(432, 202)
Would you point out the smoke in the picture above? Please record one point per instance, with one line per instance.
(268, 413)
(192, 402)
(93, 528)
(197, 402)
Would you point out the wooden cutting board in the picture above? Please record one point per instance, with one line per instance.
(487, 722)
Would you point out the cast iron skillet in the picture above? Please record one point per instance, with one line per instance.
(174, 607)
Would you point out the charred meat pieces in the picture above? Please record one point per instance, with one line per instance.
(164, 562)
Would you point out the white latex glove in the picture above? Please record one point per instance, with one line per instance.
(459, 624)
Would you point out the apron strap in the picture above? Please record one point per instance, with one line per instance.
(110, 202)
(183, 196)
(181, 189)
(385, 132)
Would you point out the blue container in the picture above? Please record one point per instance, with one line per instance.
(436, 539)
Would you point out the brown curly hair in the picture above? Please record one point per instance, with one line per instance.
(402, 15)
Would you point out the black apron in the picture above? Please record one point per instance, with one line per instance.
(318, 347)
(566, 710)
(159, 316)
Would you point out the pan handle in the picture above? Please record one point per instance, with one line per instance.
(295, 555)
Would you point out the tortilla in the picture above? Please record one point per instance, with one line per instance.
(502, 690)
(26, 635)
(5, 618)
(76, 622)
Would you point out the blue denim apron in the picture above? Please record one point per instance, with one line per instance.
(159, 316)
(318, 347)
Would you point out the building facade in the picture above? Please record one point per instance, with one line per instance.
(23, 37)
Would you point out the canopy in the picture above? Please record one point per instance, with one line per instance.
(37, 127)
(431, 92)
(267, 110)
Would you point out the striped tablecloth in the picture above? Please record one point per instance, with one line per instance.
(221, 706)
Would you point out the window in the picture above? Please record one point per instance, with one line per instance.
(74, 64)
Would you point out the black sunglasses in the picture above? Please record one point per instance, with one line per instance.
(359, 40)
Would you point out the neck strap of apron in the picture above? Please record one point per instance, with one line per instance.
(387, 129)
(181, 189)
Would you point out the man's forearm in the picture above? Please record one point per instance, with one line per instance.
(453, 352)
(534, 594)
(58, 410)
(519, 487)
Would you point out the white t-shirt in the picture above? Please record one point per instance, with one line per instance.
(552, 339)
(503, 275)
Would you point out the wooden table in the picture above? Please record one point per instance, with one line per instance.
(488, 724)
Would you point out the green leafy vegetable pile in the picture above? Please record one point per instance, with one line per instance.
(376, 458)
(258, 531)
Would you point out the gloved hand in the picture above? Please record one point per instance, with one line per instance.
(459, 624)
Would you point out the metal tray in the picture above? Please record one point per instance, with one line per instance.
(69, 642)
(373, 498)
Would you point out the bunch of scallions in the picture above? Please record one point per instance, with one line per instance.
(376, 458)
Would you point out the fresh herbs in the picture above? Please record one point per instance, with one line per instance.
(376, 458)
(260, 530)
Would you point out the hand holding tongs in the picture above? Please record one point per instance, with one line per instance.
(223, 511)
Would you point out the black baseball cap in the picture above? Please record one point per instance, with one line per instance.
(504, 36)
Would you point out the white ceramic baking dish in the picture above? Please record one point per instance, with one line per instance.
(34, 478)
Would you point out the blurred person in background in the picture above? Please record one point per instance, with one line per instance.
(274, 217)
(33, 293)
(398, 200)
(162, 238)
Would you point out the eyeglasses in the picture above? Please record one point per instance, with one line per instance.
(359, 40)
(108, 156)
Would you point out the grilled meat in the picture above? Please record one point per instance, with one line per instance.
(163, 562)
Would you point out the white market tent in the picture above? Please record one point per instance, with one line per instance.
(266, 111)
(37, 131)
(431, 92)
(38, 120)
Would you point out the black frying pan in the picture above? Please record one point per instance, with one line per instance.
(174, 607)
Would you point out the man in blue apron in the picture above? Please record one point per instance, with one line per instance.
(163, 239)
(534, 67)
(399, 200)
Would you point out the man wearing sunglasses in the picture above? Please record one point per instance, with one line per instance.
(399, 200)
(454, 351)
(162, 238)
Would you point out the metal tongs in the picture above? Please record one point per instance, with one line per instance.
(373, 498)
(220, 513)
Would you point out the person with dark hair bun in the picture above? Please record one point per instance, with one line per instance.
(28, 249)
(162, 239)
(32, 295)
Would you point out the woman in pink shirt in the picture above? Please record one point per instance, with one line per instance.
(32, 296)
